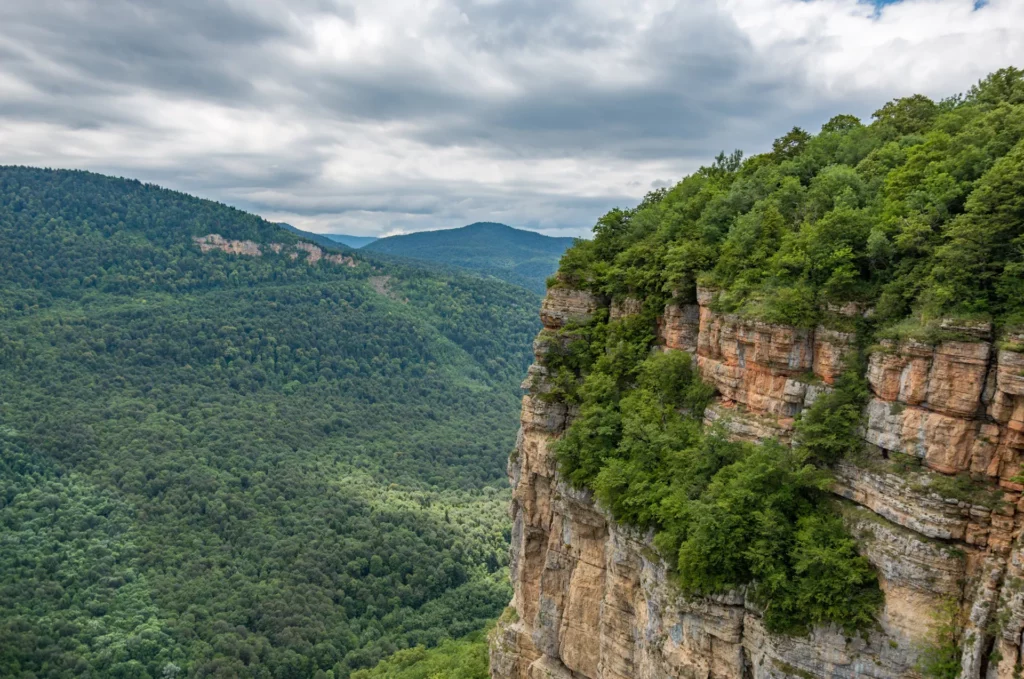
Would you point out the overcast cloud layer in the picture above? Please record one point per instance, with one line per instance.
(376, 117)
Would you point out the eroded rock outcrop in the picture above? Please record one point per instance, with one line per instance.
(562, 306)
(679, 327)
(215, 241)
(312, 253)
(594, 600)
(956, 405)
(764, 368)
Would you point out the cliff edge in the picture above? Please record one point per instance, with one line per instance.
(594, 600)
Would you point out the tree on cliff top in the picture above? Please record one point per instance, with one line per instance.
(919, 211)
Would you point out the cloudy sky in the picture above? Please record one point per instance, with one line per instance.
(370, 117)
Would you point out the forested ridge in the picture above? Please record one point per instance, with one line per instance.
(917, 214)
(226, 465)
(915, 222)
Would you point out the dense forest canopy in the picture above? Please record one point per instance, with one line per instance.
(913, 219)
(225, 465)
(917, 214)
(464, 658)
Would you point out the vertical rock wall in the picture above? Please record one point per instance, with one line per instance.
(594, 601)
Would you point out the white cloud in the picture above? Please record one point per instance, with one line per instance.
(379, 117)
(845, 48)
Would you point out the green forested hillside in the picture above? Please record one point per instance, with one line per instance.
(521, 257)
(226, 465)
(464, 658)
(918, 216)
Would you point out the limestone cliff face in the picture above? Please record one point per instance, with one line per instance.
(593, 600)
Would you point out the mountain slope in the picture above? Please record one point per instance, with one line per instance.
(521, 257)
(225, 451)
(351, 241)
(320, 239)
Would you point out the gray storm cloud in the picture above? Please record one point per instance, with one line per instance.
(367, 117)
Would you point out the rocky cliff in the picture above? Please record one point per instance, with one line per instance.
(593, 600)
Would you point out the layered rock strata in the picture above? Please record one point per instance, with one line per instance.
(593, 600)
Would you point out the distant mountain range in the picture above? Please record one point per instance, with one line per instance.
(525, 258)
(336, 241)
(351, 241)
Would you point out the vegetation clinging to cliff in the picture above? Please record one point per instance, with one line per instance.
(726, 514)
(828, 429)
(919, 212)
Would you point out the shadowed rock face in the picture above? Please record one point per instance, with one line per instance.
(594, 600)
(679, 328)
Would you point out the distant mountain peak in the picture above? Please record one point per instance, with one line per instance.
(525, 258)
(487, 225)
